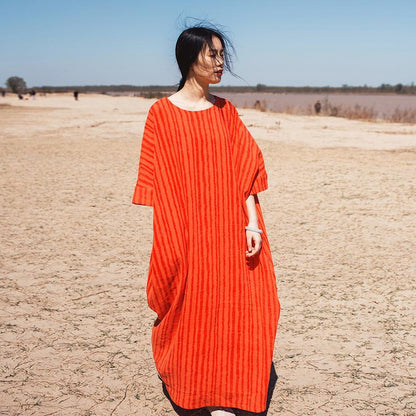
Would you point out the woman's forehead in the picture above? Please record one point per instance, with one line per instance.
(216, 45)
(216, 42)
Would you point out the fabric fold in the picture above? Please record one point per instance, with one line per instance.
(213, 338)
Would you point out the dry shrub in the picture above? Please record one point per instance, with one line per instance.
(353, 113)
(299, 111)
(357, 112)
(153, 94)
(260, 105)
(403, 116)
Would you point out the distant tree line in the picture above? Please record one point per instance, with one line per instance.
(383, 88)
(18, 85)
(149, 90)
(155, 90)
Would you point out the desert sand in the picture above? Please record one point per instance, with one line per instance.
(340, 213)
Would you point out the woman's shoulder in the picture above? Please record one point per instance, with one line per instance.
(226, 105)
(222, 101)
(159, 103)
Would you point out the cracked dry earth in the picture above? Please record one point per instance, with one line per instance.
(340, 213)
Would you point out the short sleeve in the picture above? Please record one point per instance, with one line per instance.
(260, 181)
(144, 190)
(249, 158)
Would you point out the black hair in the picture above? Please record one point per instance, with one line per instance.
(192, 40)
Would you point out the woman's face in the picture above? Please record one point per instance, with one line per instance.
(209, 66)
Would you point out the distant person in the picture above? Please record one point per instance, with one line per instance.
(3, 93)
(318, 107)
(76, 95)
(32, 94)
(20, 96)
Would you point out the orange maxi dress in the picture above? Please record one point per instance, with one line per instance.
(217, 311)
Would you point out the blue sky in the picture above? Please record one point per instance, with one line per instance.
(280, 42)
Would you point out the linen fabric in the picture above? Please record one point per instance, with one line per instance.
(217, 310)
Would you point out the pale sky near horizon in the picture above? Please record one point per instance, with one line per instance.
(280, 42)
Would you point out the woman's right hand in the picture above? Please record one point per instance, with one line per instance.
(254, 242)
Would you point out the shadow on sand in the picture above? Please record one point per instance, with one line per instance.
(204, 412)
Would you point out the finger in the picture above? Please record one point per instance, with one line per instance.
(249, 242)
(250, 246)
(257, 245)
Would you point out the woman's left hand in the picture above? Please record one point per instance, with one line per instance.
(254, 242)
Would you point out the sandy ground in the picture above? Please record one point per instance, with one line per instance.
(75, 326)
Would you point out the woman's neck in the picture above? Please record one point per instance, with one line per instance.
(193, 96)
(195, 91)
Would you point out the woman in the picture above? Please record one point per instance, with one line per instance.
(211, 278)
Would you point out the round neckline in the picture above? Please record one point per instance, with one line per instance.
(194, 111)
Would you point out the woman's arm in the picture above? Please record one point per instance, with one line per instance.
(254, 239)
(252, 213)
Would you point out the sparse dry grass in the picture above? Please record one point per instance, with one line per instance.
(356, 112)
(403, 116)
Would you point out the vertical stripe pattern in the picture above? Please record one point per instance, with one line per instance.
(217, 310)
